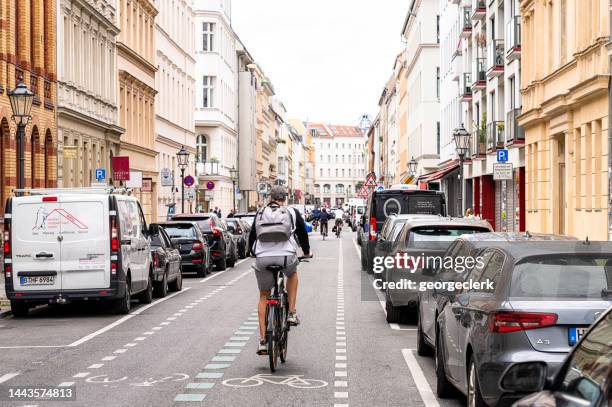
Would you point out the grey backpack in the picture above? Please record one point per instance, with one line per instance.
(274, 224)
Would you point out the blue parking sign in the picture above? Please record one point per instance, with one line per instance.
(100, 174)
(502, 156)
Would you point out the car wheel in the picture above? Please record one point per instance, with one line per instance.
(423, 349)
(474, 398)
(394, 314)
(221, 263)
(232, 261)
(146, 297)
(201, 272)
(124, 304)
(177, 285)
(19, 309)
(161, 287)
(444, 389)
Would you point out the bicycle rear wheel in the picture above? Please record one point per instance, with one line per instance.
(272, 336)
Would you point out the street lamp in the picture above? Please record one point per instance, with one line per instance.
(233, 173)
(413, 165)
(21, 103)
(462, 145)
(183, 160)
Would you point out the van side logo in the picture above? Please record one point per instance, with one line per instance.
(45, 219)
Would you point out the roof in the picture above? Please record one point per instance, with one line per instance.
(334, 130)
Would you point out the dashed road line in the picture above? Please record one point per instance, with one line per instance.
(340, 368)
(8, 376)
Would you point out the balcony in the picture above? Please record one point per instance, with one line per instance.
(466, 23)
(456, 68)
(478, 145)
(479, 9)
(495, 58)
(513, 36)
(495, 136)
(515, 135)
(465, 87)
(479, 75)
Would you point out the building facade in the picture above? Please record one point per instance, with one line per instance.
(340, 156)
(175, 100)
(564, 87)
(28, 52)
(87, 120)
(137, 72)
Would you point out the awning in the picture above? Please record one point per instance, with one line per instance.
(433, 176)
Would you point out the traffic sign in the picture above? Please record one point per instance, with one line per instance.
(210, 185)
(166, 177)
(502, 156)
(100, 174)
(363, 193)
(370, 180)
(189, 181)
(380, 187)
(502, 171)
(263, 188)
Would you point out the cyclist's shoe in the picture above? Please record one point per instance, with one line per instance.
(262, 349)
(292, 319)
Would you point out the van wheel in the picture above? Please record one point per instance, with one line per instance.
(123, 305)
(177, 285)
(222, 263)
(146, 297)
(161, 287)
(444, 389)
(19, 309)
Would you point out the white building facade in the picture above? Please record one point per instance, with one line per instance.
(87, 118)
(175, 100)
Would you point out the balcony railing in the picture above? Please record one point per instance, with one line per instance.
(495, 135)
(479, 75)
(513, 36)
(495, 55)
(478, 145)
(479, 9)
(514, 133)
(465, 86)
(466, 22)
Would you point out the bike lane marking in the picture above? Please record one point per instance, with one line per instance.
(341, 394)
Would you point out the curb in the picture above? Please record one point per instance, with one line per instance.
(5, 312)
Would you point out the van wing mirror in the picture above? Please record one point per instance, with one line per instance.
(527, 377)
(153, 229)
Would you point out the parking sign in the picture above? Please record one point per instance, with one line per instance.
(100, 174)
(502, 156)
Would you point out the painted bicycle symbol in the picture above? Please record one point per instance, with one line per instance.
(105, 379)
(296, 381)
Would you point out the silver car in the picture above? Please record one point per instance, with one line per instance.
(543, 298)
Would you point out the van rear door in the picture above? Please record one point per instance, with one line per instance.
(36, 246)
(86, 242)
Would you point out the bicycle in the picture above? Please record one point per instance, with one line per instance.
(338, 231)
(324, 225)
(277, 327)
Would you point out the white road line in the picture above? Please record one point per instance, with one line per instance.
(140, 338)
(8, 376)
(130, 345)
(120, 351)
(340, 383)
(108, 358)
(82, 374)
(96, 366)
(65, 384)
(125, 318)
(419, 379)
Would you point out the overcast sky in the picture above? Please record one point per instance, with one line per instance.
(327, 59)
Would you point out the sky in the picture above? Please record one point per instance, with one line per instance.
(328, 60)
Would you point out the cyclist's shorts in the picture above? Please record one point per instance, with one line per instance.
(265, 278)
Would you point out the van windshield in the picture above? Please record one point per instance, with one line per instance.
(180, 231)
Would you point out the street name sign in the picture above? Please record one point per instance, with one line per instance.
(502, 171)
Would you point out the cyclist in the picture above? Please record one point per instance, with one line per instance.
(338, 226)
(323, 218)
(271, 244)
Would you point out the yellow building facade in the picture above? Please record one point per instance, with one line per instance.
(564, 88)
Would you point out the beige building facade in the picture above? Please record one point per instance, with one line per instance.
(564, 86)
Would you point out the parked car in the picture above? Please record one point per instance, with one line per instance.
(247, 216)
(192, 246)
(584, 378)
(432, 302)
(240, 236)
(394, 202)
(222, 248)
(544, 297)
(166, 260)
(64, 246)
(355, 219)
(423, 237)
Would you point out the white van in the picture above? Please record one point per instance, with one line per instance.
(62, 245)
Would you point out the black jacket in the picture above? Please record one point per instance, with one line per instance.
(300, 232)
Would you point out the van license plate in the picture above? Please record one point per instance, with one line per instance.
(575, 334)
(37, 280)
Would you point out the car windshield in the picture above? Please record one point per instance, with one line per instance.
(440, 234)
(180, 231)
(562, 276)
(203, 223)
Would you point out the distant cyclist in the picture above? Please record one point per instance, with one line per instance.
(324, 217)
(338, 226)
(277, 232)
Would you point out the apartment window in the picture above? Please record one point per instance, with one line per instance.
(438, 29)
(321, 172)
(349, 172)
(208, 90)
(336, 173)
(201, 148)
(208, 36)
(438, 82)
(343, 173)
(438, 138)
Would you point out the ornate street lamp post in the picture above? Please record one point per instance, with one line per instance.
(233, 174)
(413, 166)
(462, 145)
(21, 103)
(182, 158)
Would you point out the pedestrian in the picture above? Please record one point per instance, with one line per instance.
(469, 213)
(231, 213)
(219, 213)
(216, 211)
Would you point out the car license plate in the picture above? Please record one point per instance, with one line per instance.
(575, 334)
(37, 280)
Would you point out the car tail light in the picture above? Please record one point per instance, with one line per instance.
(197, 246)
(7, 271)
(520, 321)
(216, 231)
(155, 260)
(7, 239)
(114, 235)
(113, 267)
(373, 228)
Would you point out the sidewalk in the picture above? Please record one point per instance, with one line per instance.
(4, 304)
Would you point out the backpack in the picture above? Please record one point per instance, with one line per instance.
(274, 224)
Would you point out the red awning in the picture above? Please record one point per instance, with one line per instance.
(433, 176)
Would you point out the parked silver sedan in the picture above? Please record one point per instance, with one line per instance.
(543, 299)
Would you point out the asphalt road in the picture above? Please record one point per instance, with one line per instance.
(197, 347)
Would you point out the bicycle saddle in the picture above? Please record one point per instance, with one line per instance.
(274, 268)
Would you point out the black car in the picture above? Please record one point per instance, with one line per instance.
(192, 245)
(240, 235)
(166, 261)
(381, 204)
(222, 247)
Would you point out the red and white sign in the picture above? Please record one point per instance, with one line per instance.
(121, 168)
(370, 180)
(362, 193)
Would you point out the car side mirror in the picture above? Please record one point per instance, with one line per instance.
(526, 377)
